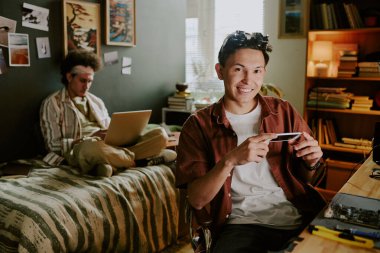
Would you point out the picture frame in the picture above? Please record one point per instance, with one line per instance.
(81, 26)
(18, 47)
(120, 23)
(293, 19)
(6, 26)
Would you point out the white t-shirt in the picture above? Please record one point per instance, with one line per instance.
(256, 196)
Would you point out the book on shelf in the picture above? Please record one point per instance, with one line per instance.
(353, 15)
(369, 64)
(329, 89)
(320, 135)
(355, 141)
(345, 73)
(347, 65)
(365, 103)
(324, 16)
(182, 94)
(180, 107)
(360, 108)
(341, 15)
(331, 131)
(360, 98)
(315, 103)
(369, 69)
(326, 132)
(369, 74)
(179, 99)
(348, 58)
(353, 146)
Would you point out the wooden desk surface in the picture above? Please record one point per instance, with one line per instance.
(359, 184)
(173, 140)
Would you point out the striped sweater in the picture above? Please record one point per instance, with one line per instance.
(60, 123)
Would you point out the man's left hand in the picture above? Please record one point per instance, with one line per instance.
(100, 133)
(308, 149)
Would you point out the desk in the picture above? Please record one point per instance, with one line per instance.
(359, 184)
(172, 142)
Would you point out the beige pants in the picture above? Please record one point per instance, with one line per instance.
(88, 154)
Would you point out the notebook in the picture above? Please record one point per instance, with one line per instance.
(126, 127)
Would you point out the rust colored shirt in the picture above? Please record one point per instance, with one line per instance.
(207, 136)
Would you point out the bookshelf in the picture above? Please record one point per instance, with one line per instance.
(360, 41)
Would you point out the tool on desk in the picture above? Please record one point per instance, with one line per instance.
(353, 231)
(342, 237)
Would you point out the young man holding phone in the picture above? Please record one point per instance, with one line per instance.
(257, 191)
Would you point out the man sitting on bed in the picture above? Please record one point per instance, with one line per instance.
(74, 123)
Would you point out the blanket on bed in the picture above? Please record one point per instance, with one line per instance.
(58, 210)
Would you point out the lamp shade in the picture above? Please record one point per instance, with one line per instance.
(322, 51)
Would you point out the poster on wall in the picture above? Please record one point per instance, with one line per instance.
(81, 26)
(18, 49)
(35, 17)
(120, 23)
(6, 26)
(43, 47)
(293, 20)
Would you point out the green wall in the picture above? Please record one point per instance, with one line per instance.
(157, 64)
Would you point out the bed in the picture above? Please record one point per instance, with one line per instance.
(55, 209)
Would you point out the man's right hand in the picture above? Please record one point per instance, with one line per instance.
(253, 149)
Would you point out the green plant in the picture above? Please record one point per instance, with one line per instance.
(270, 88)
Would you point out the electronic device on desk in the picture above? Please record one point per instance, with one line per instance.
(376, 144)
(350, 215)
(353, 215)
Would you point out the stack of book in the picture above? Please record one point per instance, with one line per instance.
(361, 103)
(331, 97)
(181, 100)
(369, 69)
(362, 144)
(348, 61)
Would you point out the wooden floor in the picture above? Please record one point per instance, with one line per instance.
(181, 247)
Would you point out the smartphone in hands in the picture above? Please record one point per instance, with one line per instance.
(286, 137)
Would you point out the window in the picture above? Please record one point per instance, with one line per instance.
(207, 24)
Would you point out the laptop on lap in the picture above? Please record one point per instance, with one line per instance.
(126, 127)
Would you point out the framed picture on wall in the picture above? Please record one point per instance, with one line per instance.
(293, 19)
(120, 22)
(81, 26)
(18, 47)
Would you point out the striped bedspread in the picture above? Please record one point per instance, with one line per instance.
(57, 210)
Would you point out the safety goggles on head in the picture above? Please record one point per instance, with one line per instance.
(241, 39)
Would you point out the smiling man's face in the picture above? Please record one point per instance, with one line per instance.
(243, 76)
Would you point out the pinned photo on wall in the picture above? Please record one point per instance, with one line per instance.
(35, 17)
(3, 64)
(6, 26)
(111, 58)
(43, 47)
(126, 66)
(18, 49)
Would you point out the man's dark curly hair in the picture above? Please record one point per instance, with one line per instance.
(239, 40)
(79, 57)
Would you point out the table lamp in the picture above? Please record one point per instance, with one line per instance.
(322, 55)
